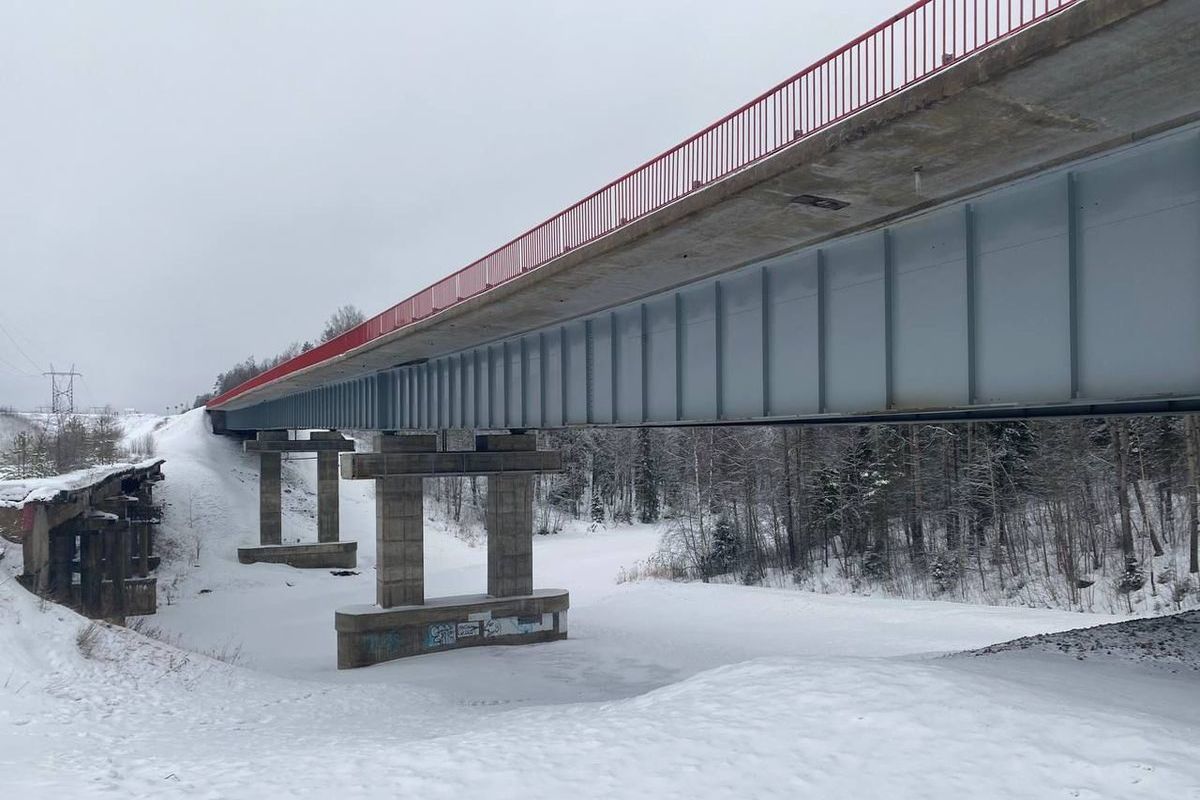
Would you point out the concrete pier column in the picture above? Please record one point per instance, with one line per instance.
(38, 552)
(510, 535)
(328, 524)
(118, 568)
(270, 491)
(400, 528)
(62, 557)
(141, 537)
(509, 520)
(91, 574)
(143, 550)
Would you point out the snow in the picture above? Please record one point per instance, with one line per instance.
(20, 491)
(11, 425)
(664, 690)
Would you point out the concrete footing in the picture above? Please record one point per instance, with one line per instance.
(369, 634)
(310, 555)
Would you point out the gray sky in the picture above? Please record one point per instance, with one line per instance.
(186, 184)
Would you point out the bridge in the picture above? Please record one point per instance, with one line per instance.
(978, 209)
(961, 213)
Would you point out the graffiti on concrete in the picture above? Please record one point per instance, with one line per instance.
(516, 626)
(440, 634)
(383, 645)
(448, 634)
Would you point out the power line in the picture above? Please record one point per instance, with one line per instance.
(16, 369)
(19, 348)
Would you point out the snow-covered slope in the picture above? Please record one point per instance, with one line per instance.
(664, 690)
(11, 425)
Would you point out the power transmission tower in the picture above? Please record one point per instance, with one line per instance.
(62, 390)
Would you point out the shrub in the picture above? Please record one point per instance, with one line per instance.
(87, 639)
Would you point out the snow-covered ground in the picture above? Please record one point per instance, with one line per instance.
(13, 424)
(663, 690)
(16, 492)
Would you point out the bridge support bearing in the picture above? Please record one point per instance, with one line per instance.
(328, 551)
(403, 622)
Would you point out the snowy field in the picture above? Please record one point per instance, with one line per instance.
(663, 690)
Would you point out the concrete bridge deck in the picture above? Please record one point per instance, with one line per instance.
(1100, 74)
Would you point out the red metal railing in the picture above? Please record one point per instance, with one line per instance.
(926, 37)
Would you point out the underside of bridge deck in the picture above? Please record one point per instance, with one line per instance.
(1019, 236)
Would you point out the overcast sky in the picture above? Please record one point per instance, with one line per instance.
(183, 185)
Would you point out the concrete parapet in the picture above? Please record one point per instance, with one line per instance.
(311, 555)
(371, 635)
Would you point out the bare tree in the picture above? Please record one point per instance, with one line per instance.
(342, 320)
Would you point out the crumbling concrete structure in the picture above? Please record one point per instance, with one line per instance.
(97, 525)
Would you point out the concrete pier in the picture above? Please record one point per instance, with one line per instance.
(328, 524)
(118, 568)
(270, 490)
(403, 622)
(509, 519)
(328, 550)
(91, 573)
(400, 527)
(510, 535)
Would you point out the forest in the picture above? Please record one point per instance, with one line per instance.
(1090, 514)
(41, 445)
